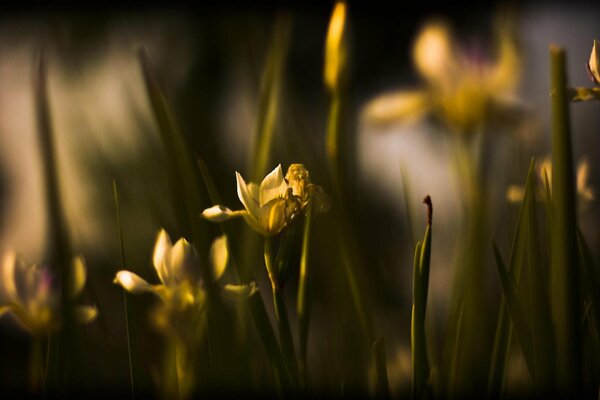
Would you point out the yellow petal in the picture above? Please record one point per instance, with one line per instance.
(594, 63)
(254, 224)
(583, 171)
(273, 186)
(433, 52)
(79, 275)
(272, 216)
(162, 250)
(132, 282)
(240, 292)
(401, 106)
(86, 314)
(219, 256)
(7, 284)
(334, 52)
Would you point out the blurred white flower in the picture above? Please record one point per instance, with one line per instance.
(32, 294)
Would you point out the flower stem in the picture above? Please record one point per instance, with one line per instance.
(285, 332)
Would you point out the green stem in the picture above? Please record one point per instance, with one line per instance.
(564, 277)
(285, 332)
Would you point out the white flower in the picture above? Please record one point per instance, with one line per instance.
(176, 267)
(270, 207)
(594, 64)
(32, 295)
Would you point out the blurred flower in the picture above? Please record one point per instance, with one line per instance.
(271, 206)
(461, 88)
(176, 267)
(32, 295)
(594, 64)
(514, 193)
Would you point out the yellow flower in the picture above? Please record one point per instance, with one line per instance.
(32, 295)
(514, 193)
(270, 207)
(460, 87)
(176, 267)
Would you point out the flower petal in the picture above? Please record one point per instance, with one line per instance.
(399, 106)
(133, 283)
(254, 224)
(240, 292)
(433, 52)
(273, 186)
(246, 196)
(162, 250)
(272, 216)
(86, 314)
(79, 275)
(181, 262)
(220, 213)
(219, 256)
(8, 288)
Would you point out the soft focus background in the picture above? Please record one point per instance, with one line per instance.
(209, 60)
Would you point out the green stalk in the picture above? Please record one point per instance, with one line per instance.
(126, 310)
(255, 303)
(303, 299)
(285, 332)
(564, 277)
(421, 267)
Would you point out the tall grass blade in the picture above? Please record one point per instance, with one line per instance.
(126, 309)
(516, 311)
(58, 244)
(303, 301)
(504, 327)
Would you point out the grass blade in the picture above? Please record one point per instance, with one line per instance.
(126, 309)
(303, 301)
(516, 311)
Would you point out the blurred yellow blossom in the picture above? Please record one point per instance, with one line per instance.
(272, 205)
(514, 193)
(335, 52)
(32, 294)
(461, 88)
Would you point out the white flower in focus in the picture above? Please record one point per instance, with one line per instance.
(270, 207)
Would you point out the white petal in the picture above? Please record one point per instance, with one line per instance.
(86, 314)
(132, 282)
(272, 216)
(273, 186)
(219, 256)
(162, 249)
(254, 224)
(240, 292)
(245, 195)
(220, 213)
(79, 275)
